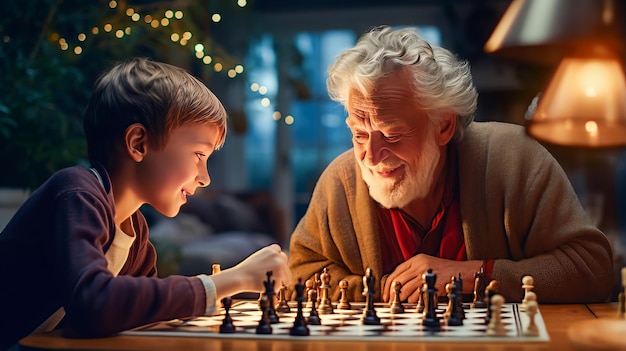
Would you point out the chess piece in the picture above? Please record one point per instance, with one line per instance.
(314, 317)
(264, 326)
(419, 307)
(369, 313)
(299, 327)
(490, 291)
(282, 305)
(459, 283)
(396, 305)
(227, 325)
(452, 315)
(325, 305)
(527, 285)
(270, 293)
(430, 319)
(531, 311)
(496, 326)
(344, 304)
(216, 268)
(310, 284)
(479, 289)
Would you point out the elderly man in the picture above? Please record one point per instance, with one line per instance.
(426, 187)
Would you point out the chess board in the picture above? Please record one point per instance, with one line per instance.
(347, 325)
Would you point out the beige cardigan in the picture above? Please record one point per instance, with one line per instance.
(517, 207)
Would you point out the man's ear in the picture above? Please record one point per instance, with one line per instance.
(136, 141)
(446, 128)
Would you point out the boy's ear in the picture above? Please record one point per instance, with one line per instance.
(446, 128)
(136, 141)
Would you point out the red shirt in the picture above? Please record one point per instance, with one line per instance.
(402, 237)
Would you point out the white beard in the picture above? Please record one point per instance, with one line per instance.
(416, 184)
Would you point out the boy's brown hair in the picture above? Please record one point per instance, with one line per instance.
(159, 96)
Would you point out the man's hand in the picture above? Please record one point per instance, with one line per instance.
(409, 273)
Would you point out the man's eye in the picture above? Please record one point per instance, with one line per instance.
(392, 138)
(360, 138)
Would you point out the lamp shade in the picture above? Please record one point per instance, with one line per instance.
(544, 31)
(583, 105)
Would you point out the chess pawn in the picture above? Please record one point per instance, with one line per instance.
(527, 284)
(310, 284)
(314, 317)
(531, 310)
(396, 305)
(496, 326)
(344, 304)
(264, 326)
(227, 325)
(530, 296)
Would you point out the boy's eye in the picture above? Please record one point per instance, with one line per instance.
(200, 155)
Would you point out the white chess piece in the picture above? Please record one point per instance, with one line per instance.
(528, 283)
(531, 311)
(496, 327)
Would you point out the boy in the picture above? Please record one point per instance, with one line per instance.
(77, 251)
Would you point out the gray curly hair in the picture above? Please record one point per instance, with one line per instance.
(442, 82)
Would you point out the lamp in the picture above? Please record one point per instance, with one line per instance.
(585, 101)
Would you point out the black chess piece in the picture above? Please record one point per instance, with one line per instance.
(453, 316)
(314, 317)
(459, 282)
(270, 293)
(300, 327)
(430, 318)
(227, 326)
(480, 284)
(369, 313)
(283, 305)
(396, 304)
(264, 326)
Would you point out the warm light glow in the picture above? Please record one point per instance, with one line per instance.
(232, 73)
(218, 67)
(165, 22)
(113, 4)
(216, 17)
(239, 69)
(207, 59)
(127, 30)
(584, 104)
(178, 14)
(95, 30)
(119, 33)
(82, 37)
(154, 23)
(242, 3)
(504, 26)
(174, 37)
(276, 115)
(265, 102)
(169, 14)
(254, 86)
(129, 11)
(136, 17)
(199, 47)
(289, 120)
(108, 27)
(78, 50)
(262, 90)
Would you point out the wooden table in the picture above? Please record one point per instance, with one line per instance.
(558, 319)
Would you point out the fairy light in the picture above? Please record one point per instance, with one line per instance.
(254, 86)
(165, 22)
(148, 18)
(239, 69)
(169, 14)
(130, 12)
(135, 17)
(178, 14)
(82, 37)
(218, 67)
(232, 73)
(242, 3)
(289, 120)
(265, 102)
(107, 27)
(276, 115)
(154, 23)
(119, 33)
(216, 17)
(127, 30)
(78, 50)
(95, 30)
(112, 4)
(207, 60)
(262, 90)
(174, 37)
